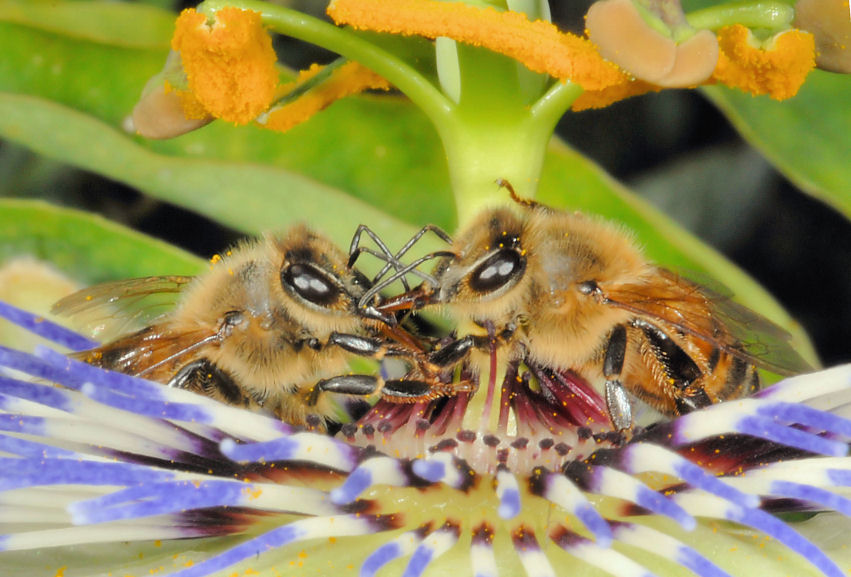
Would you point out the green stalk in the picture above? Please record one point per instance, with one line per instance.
(309, 29)
(498, 129)
(496, 132)
(771, 14)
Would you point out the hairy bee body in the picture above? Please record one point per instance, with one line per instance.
(567, 292)
(254, 331)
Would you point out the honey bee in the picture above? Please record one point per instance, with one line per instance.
(568, 292)
(270, 327)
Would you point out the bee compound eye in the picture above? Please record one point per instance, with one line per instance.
(309, 283)
(499, 269)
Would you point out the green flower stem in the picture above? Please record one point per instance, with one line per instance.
(478, 155)
(499, 128)
(550, 108)
(771, 14)
(496, 132)
(303, 27)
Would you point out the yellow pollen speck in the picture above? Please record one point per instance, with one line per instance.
(61, 571)
(255, 494)
(215, 258)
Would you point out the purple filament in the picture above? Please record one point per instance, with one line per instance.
(419, 561)
(148, 407)
(697, 477)
(509, 504)
(17, 473)
(658, 503)
(773, 527)
(84, 372)
(827, 499)
(41, 394)
(772, 431)
(23, 424)
(807, 416)
(275, 538)
(36, 367)
(429, 470)
(839, 477)
(702, 566)
(158, 498)
(31, 449)
(381, 557)
(595, 523)
(356, 483)
(44, 328)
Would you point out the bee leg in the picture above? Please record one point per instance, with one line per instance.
(617, 400)
(362, 385)
(204, 377)
(455, 351)
(368, 346)
(395, 390)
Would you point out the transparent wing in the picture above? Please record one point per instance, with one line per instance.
(713, 317)
(106, 311)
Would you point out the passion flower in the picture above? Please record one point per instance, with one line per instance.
(181, 485)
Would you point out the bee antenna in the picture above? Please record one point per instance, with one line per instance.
(390, 259)
(527, 202)
(365, 301)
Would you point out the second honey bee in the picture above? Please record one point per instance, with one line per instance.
(272, 326)
(566, 292)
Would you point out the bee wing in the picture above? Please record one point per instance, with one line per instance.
(107, 310)
(713, 317)
(153, 352)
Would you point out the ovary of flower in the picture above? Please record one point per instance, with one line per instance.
(539, 45)
(777, 69)
(626, 38)
(230, 64)
(350, 78)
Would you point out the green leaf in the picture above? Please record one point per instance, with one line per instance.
(806, 137)
(251, 197)
(114, 23)
(86, 246)
(39, 242)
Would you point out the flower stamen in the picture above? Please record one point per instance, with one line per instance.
(230, 64)
(778, 69)
(539, 45)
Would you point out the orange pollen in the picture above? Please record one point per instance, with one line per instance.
(539, 45)
(230, 64)
(778, 70)
(350, 78)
